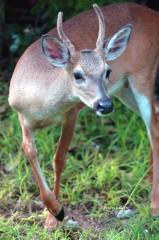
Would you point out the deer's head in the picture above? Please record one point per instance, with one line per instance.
(87, 69)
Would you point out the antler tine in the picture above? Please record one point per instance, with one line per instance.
(101, 33)
(61, 33)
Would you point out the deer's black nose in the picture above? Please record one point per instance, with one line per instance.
(103, 107)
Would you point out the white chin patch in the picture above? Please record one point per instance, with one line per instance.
(102, 115)
(99, 113)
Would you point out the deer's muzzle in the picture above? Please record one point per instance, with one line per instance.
(103, 107)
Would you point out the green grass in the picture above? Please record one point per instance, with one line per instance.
(106, 169)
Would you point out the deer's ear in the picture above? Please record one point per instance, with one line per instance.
(116, 45)
(55, 51)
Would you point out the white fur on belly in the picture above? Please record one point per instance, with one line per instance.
(144, 107)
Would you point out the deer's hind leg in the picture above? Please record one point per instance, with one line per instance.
(156, 114)
(155, 159)
(29, 148)
(147, 107)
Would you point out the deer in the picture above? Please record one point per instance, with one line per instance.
(61, 75)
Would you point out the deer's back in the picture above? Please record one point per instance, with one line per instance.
(34, 70)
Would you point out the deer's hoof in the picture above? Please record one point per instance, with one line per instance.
(51, 223)
(155, 212)
(60, 216)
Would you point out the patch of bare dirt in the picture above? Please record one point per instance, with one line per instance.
(32, 211)
(20, 210)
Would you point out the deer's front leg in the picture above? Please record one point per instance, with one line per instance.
(60, 159)
(28, 145)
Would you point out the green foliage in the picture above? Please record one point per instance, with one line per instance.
(44, 14)
(69, 7)
(106, 170)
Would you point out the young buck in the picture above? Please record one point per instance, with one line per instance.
(66, 79)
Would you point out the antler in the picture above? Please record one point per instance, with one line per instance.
(61, 33)
(101, 33)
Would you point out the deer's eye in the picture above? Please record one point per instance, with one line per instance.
(108, 73)
(78, 77)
